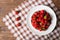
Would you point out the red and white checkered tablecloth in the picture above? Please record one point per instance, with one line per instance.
(23, 32)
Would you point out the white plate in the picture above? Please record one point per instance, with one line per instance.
(53, 21)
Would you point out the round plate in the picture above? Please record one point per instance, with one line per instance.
(53, 21)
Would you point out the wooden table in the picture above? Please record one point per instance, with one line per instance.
(5, 7)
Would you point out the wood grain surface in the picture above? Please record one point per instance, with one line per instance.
(5, 7)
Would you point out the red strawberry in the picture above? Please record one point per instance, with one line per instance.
(46, 27)
(35, 14)
(18, 18)
(42, 12)
(48, 24)
(38, 20)
(39, 29)
(43, 21)
(17, 12)
(19, 24)
(38, 16)
(49, 18)
(43, 25)
(33, 21)
(41, 16)
(34, 25)
(47, 14)
(33, 18)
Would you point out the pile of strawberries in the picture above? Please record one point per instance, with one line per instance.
(18, 18)
(41, 20)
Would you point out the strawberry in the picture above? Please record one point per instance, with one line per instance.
(33, 21)
(42, 12)
(48, 24)
(38, 16)
(49, 18)
(34, 25)
(43, 25)
(46, 27)
(40, 23)
(19, 24)
(33, 18)
(35, 14)
(39, 29)
(38, 20)
(41, 16)
(18, 18)
(17, 12)
(43, 21)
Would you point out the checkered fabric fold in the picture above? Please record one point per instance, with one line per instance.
(23, 32)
